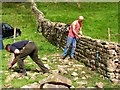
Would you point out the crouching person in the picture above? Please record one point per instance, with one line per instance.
(21, 50)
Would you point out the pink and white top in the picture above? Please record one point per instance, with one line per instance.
(77, 28)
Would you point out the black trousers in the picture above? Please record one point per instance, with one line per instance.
(31, 50)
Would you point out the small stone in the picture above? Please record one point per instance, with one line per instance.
(74, 74)
(81, 83)
(87, 76)
(91, 87)
(66, 62)
(8, 85)
(26, 77)
(76, 78)
(78, 66)
(83, 78)
(11, 77)
(6, 73)
(100, 85)
(55, 78)
(47, 66)
(44, 59)
(75, 70)
(33, 77)
(1, 72)
(83, 72)
(70, 63)
(34, 85)
(115, 81)
(70, 69)
(56, 55)
(55, 71)
(53, 86)
(46, 74)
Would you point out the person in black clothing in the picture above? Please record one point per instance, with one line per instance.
(21, 50)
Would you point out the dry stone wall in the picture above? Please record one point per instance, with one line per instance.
(100, 55)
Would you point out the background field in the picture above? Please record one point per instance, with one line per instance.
(98, 17)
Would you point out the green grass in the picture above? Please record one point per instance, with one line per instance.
(98, 17)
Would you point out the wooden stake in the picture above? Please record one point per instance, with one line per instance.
(14, 35)
(108, 35)
(12, 55)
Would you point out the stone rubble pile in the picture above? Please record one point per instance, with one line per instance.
(97, 54)
(55, 79)
(101, 56)
(52, 81)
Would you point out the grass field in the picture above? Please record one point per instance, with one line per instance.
(98, 17)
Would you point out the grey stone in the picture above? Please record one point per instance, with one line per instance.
(34, 85)
(74, 74)
(100, 85)
(11, 77)
(56, 79)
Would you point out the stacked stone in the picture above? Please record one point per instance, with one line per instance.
(97, 54)
(53, 31)
(114, 63)
(100, 55)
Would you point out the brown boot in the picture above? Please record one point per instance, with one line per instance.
(63, 57)
(72, 59)
(23, 72)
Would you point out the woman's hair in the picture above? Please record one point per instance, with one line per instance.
(7, 46)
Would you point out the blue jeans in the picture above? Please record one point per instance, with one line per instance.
(70, 41)
(1, 43)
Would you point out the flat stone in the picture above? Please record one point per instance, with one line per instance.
(78, 66)
(34, 85)
(82, 83)
(92, 87)
(6, 73)
(8, 85)
(83, 72)
(33, 77)
(55, 71)
(47, 66)
(100, 85)
(44, 59)
(74, 74)
(66, 62)
(76, 78)
(56, 79)
(87, 76)
(83, 78)
(115, 81)
(56, 55)
(53, 86)
(70, 63)
(1, 72)
(11, 77)
(70, 69)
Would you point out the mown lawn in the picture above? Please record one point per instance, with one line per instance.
(98, 17)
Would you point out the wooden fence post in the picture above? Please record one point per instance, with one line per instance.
(12, 55)
(108, 35)
(14, 35)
